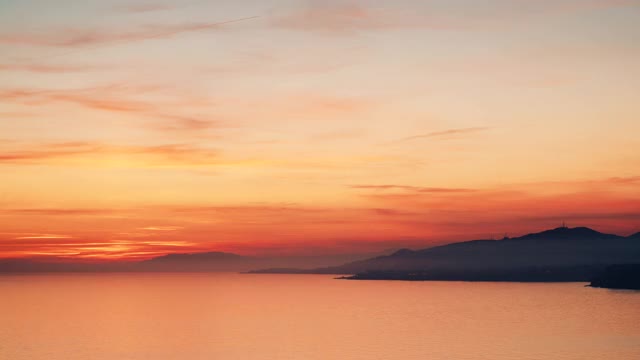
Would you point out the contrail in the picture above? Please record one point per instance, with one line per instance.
(159, 34)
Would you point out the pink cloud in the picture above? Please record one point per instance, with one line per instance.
(92, 37)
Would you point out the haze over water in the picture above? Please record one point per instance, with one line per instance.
(237, 316)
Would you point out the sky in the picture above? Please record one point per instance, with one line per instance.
(131, 129)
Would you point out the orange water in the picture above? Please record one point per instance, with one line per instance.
(234, 316)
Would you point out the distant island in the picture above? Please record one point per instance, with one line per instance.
(558, 255)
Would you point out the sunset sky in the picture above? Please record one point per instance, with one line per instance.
(130, 129)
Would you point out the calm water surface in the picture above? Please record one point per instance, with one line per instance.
(234, 316)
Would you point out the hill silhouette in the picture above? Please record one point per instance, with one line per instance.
(561, 254)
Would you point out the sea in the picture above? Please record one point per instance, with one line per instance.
(205, 316)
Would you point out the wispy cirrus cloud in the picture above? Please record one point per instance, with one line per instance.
(102, 98)
(44, 152)
(624, 180)
(446, 133)
(78, 38)
(186, 113)
(116, 98)
(188, 123)
(99, 154)
(79, 249)
(417, 189)
(49, 68)
(587, 216)
(42, 236)
(162, 228)
(58, 211)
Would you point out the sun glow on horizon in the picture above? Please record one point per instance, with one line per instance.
(132, 131)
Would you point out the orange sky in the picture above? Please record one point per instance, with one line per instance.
(135, 129)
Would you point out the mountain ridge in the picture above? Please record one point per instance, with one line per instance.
(576, 248)
(560, 254)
